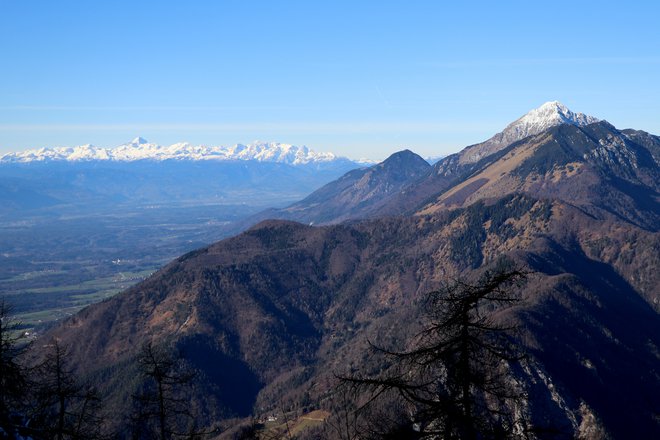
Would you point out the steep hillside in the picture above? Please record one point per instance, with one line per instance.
(268, 316)
(357, 194)
(597, 167)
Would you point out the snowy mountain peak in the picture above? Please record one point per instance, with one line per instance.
(140, 149)
(139, 141)
(550, 114)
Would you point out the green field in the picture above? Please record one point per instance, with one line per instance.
(38, 308)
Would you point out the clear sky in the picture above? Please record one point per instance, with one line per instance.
(358, 78)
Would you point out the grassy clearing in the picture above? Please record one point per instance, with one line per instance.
(294, 426)
(31, 321)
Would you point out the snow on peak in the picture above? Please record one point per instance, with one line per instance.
(140, 149)
(139, 141)
(548, 115)
(535, 121)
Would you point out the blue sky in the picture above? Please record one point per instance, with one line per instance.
(359, 78)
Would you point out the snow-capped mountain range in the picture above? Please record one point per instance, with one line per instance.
(141, 149)
(548, 115)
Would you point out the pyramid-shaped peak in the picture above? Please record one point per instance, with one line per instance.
(553, 104)
(139, 141)
(550, 114)
(404, 155)
(552, 107)
(553, 113)
(405, 159)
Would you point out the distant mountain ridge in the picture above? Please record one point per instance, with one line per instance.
(141, 149)
(141, 173)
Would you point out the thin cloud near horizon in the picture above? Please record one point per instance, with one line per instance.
(340, 127)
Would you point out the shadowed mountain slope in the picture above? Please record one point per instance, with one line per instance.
(282, 306)
(357, 194)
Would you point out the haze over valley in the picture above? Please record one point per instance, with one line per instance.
(78, 227)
